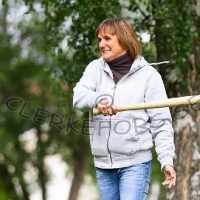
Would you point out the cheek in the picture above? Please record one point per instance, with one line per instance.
(119, 47)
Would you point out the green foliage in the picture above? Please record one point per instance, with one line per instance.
(174, 31)
(23, 77)
(75, 22)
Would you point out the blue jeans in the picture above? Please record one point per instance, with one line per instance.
(128, 183)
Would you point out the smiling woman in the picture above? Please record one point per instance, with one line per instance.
(122, 152)
(109, 46)
(121, 31)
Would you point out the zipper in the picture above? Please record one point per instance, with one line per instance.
(109, 72)
(110, 124)
(108, 144)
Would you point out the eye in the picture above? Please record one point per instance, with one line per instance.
(107, 38)
(99, 39)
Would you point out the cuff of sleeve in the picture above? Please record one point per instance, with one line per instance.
(166, 160)
(96, 99)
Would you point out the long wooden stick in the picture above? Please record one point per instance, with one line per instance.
(187, 100)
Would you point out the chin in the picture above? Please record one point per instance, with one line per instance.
(107, 59)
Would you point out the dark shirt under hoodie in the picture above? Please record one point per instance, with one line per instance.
(120, 66)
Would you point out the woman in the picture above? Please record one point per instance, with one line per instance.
(121, 142)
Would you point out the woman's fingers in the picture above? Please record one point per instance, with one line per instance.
(171, 182)
(106, 108)
(166, 182)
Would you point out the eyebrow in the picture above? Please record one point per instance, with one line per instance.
(103, 36)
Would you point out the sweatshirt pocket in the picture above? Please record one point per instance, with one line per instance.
(99, 137)
(123, 139)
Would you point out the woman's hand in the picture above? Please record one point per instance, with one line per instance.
(106, 107)
(170, 176)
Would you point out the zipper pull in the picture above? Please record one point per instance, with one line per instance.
(113, 87)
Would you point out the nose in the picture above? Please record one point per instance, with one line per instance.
(102, 43)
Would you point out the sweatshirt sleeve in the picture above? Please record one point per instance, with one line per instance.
(85, 96)
(161, 121)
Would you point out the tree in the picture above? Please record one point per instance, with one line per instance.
(28, 103)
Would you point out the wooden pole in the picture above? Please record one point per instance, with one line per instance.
(187, 100)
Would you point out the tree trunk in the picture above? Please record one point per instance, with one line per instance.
(81, 155)
(42, 174)
(42, 177)
(187, 162)
(187, 142)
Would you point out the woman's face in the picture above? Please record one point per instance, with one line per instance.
(109, 46)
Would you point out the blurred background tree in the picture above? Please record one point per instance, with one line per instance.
(44, 53)
(31, 123)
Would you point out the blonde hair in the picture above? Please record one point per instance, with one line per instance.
(125, 33)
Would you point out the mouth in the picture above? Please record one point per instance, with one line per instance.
(105, 51)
